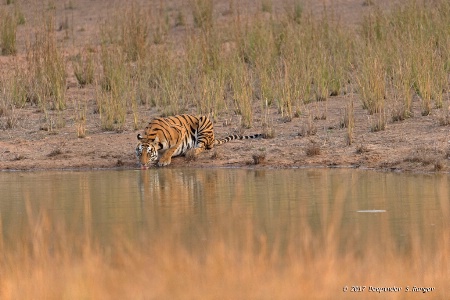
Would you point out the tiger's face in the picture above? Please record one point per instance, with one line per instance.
(146, 153)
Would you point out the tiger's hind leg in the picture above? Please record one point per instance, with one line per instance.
(192, 154)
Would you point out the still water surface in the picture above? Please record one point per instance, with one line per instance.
(359, 208)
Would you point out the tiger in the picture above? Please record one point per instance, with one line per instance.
(167, 137)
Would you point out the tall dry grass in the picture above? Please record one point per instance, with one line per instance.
(348, 122)
(84, 67)
(134, 29)
(12, 97)
(410, 46)
(270, 58)
(220, 67)
(46, 64)
(292, 58)
(8, 31)
(113, 89)
(202, 13)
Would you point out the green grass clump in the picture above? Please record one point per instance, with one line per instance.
(19, 16)
(280, 60)
(242, 92)
(13, 96)
(8, 30)
(129, 29)
(167, 82)
(47, 68)
(371, 80)
(411, 46)
(294, 60)
(113, 89)
(84, 68)
(8, 118)
(134, 29)
(202, 12)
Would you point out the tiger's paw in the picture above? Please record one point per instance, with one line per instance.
(163, 163)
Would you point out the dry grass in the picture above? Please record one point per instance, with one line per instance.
(309, 128)
(231, 67)
(371, 81)
(258, 158)
(348, 122)
(312, 148)
(444, 116)
(81, 117)
(84, 68)
(378, 122)
(202, 12)
(427, 156)
(13, 96)
(113, 88)
(55, 152)
(361, 148)
(8, 30)
(46, 75)
(269, 131)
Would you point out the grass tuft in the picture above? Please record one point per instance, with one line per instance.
(309, 128)
(202, 12)
(8, 31)
(112, 90)
(84, 68)
(258, 158)
(312, 149)
(46, 74)
(349, 122)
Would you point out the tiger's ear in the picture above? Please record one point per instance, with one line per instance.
(139, 137)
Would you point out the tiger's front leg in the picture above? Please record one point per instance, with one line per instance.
(166, 157)
(165, 160)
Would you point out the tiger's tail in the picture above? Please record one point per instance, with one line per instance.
(237, 137)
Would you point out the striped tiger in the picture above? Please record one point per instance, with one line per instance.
(167, 137)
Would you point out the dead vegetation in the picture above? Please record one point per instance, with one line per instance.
(259, 158)
(238, 63)
(312, 148)
(428, 156)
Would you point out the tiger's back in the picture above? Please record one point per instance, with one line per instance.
(169, 129)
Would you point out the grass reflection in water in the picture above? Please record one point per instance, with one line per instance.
(231, 234)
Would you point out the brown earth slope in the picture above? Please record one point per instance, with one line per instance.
(314, 139)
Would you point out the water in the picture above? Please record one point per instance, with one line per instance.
(224, 234)
(361, 206)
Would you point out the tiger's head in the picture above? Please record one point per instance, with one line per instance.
(146, 152)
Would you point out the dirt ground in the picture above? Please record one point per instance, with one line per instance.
(314, 139)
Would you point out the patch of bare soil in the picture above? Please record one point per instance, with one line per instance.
(314, 139)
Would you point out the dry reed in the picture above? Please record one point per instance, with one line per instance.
(268, 59)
